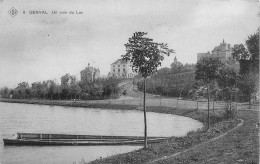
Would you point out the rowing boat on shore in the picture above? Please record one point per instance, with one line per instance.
(68, 139)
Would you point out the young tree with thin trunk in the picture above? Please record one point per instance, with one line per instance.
(207, 71)
(145, 56)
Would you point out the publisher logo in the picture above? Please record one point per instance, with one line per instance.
(13, 12)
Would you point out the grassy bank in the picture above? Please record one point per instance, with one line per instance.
(239, 146)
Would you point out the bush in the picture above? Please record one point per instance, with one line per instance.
(230, 111)
(124, 92)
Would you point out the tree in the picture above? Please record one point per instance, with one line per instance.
(5, 92)
(249, 84)
(145, 56)
(51, 88)
(22, 87)
(248, 56)
(249, 64)
(227, 82)
(44, 88)
(75, 89)
(36, 89)
(207, 71)
(252, 44)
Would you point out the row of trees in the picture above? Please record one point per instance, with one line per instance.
(235, 79)
(169, 86)
(68, 89)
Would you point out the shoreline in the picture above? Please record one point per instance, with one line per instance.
(172, 145)
(85, 104)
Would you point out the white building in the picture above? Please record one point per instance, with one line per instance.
(121, 69)
(223, 52)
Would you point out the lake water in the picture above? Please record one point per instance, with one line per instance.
(72, 120)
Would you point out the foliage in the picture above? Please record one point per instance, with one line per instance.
(5, 92)
(230, 111)
(69, 88)
(249, 84)
(248, 56)
(239, 52)
(145, 54)
(252, 44)
(207, 69)
(227, 82)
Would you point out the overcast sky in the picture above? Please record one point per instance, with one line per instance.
(42, 47)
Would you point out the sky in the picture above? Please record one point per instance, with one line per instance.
(38, 47)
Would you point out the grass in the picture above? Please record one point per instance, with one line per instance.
(240, 146)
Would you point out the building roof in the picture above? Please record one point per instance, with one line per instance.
(90, 69)
(121, 61)
(222, 47)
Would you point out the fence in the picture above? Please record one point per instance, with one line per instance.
(167, 102)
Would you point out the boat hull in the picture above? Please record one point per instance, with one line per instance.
(77, 140)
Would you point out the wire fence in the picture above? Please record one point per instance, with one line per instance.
(167, 102)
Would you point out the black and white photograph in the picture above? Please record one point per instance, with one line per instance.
(129, 82)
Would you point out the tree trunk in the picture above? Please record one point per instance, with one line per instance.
(249, 101)
(145, 123)
(208, 104)
(213, 107)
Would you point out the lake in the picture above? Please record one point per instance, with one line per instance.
(73, 120)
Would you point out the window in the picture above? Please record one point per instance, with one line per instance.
(118, 70)
(123, 69)
(118, 65)
(114, 70)
(113, 65)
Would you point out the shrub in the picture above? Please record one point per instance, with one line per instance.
(230, 111)
(124, 92)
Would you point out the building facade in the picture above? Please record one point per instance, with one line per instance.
(223, 52)
(89, 74)
(121, 69)
(203, 55)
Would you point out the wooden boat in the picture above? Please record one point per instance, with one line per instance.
(68, 139)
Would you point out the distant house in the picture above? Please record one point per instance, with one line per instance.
(223, 52)
(121, 69)
(89, 74)
(203, 55)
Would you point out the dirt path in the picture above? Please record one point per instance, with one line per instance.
(201, 144)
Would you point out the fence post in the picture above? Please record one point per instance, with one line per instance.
(177, 101)
(197, 105)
